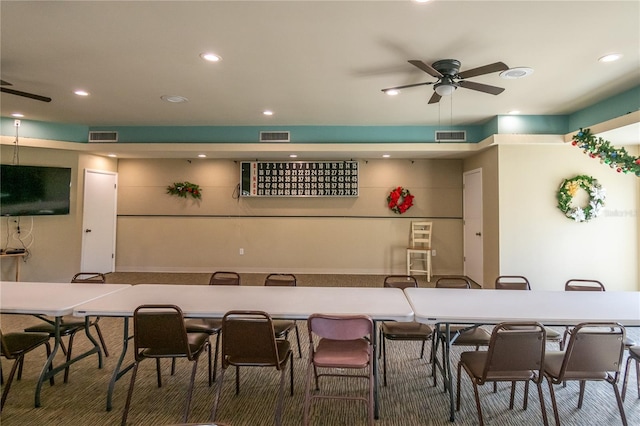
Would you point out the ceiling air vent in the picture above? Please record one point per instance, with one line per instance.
(450, 136)
(275, 136)
(103, 136)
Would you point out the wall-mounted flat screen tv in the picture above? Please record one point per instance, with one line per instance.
(34, 190)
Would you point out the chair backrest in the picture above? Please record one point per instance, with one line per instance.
(340, 327)
(249, 339)
(594, 348)
(512, 282)
(420, 235)
(89, 278)
(283, 280)
(159, 331)
(516, 346)
(583, 285)
(453, 282)
(400, 281)
(224, 278)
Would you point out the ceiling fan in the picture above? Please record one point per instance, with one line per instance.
(20, 93)
(447, 71)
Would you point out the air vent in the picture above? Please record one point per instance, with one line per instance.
(446, 136)
(275, 136)
(103, 136)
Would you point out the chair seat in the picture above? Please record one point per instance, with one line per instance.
(282, 327)
(197, 343)
(473, 337)
(553, 363)
(628, 342)
(210, 326)
(475, 362)
(342, 354)
(18, 343)
(634, 352)
(406, 330)
(66, 328)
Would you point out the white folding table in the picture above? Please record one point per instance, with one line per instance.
(478, 307)
(199, 301)
(54, 300)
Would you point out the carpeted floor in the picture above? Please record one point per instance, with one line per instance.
(409, 399)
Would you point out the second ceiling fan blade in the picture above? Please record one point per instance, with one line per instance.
(487, 69)
(494, 90)
(25, 94)
(407, 85)
(435, 98)
(426, 68)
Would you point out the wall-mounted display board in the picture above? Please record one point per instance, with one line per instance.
(299, 179)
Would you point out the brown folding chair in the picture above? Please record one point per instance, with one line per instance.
(211, 326)
(70, 325)
(16, 346)
(468, 335)
(594, 353)
(634, 356)
(248, 340)
(404, 331)
(283, 327)
(515, 354)
(345, 343)
(159, 332)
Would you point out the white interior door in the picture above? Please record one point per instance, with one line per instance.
(99, 221)
(472, 217)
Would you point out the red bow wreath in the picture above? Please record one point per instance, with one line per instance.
(399, 200)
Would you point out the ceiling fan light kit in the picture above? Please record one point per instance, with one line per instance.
(447, 71)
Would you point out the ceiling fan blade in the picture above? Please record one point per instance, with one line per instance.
(25, 94)
(426, 68)
(494, 90)
(5, 83)
(435, 98)
(487, 69)
(407, 85)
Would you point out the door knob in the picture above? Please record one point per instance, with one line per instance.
(478, 234)
(89, 230)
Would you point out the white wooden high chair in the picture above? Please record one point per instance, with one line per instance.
(419, 250)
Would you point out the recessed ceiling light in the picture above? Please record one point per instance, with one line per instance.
(17, 115)
(392, 92)
(514, 112)
(202, 155)
(81, 93)
(174, 99)
(386, 155)
(293, 156)
(211, 57)
(610, 57)
(517, 72)
(421, 1)
(112, 155)
(267, 112)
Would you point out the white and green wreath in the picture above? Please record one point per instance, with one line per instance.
(569, 188)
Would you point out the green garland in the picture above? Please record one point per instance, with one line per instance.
(184, 189)
(618, 159)
(568, 190)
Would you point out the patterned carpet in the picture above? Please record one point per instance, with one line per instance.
(409, 399)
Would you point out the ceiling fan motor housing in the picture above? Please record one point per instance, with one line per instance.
(449, 67)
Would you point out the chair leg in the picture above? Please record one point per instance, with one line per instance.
(458, 386)
(384, 360)
(307, 393)
(371, 402)
(125, 413)
(187, 407)
(422, 349)
(158, 373)
(216, 401)
(215, 358)
(478, 406)
(626, 378)
(298, 340)
(210, 370)
(554, 403)
(20, 365)
(512, 396)
(101, 337)
(623, 417)
(291, 374)
(7, 386)
(237, 380)
(278, 414)
(173, 366)
(543, 409)
(581, 397)
(526, 394)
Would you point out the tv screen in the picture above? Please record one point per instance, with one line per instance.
(34, 190)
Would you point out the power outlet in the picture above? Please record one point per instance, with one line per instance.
(433, 252)
(241, 252)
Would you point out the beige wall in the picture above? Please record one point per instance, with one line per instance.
(158, 232)
(537, 241)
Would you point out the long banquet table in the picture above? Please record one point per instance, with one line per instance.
(54, 300)
(198, 301)
(478, 307)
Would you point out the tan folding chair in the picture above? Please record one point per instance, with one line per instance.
(16, 346)
(515, 354)
(403, 331)
(594, 353)
(211, 326)
(70, 325)
(159, 332)
(345, 343)
(248, 340)
(419, 250)
(283, 327)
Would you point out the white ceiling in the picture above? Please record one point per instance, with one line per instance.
(311, 62)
